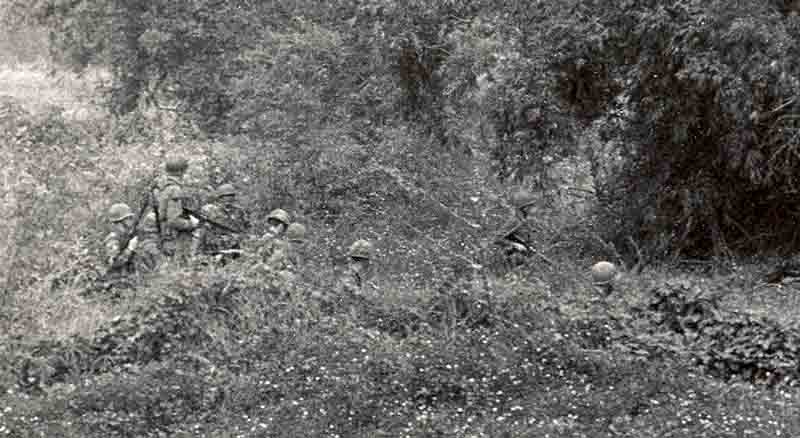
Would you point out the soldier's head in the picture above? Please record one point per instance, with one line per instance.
(176, 166)
(149, 224)
(524, 202)
(603, 274)
(121, 216)
(226, 192)
(277, 222)
(360, 255)
(296, 233)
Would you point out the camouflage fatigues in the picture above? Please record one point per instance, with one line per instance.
(351, 284)
(176, 227)
(517, 240)
(210, 240)
(120, 266)
(148, 254)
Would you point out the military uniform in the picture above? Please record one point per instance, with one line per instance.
(517, 237)
(120, 267)
(352, 284)
(287, 257)
(148, 255)
(229, 212)
(176, 226)
(272, 241)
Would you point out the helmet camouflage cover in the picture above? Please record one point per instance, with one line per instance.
(296, 232)
(119, 212)
(279, 215)
(360, 249)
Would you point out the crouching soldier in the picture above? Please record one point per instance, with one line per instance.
(353, 283)
(148, 255)
(223, 237)
(516, 239)
(234, 213)
(287, 258)
(120, 250)
(277, 222)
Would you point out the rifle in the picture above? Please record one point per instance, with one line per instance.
(132, 232)
(204, 218)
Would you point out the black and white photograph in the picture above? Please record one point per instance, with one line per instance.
(399, 219)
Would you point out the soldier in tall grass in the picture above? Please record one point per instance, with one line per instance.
(277, 222)
(359, 269)
(120, 249)
(148, 255)
(517, 237)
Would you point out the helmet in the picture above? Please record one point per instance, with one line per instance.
(603, 273)
(226, 190)
(149, 224)
(211, 211)
(119, 212)
(522, 198)
(360, 249)
(279, 215)
(176, 165)
(296, 232)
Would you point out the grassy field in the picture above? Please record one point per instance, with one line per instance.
(218, 352)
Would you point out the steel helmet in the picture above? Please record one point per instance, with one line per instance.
(119, 212)
(603, 273)
(296, 232)
(360, 249)
(176, 165)
(522, 199)
(279, 215)
(226, 190)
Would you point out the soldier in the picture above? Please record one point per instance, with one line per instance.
(119, 259)
(603, 276)
(359, 268)
(209, 239)
(234, 213)
(287, 257)
(277, 222)
(148, 256)
(227, 211)
(517, 236)
(176, 226)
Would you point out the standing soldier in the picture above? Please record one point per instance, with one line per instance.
(517, 237)
(148, 257)
(120, 248)
(176, 225)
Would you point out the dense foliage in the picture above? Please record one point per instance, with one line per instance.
(407, 123)
(695, 98)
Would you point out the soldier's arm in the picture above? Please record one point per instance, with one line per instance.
(174, 214)
(114, 258)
